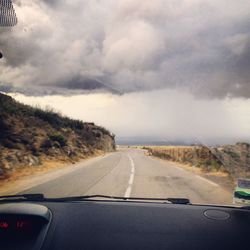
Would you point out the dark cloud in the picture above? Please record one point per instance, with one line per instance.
(128, 46)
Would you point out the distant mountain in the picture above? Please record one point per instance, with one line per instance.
(29, 135)
(72, 86)
(188, 141)
(150, 141)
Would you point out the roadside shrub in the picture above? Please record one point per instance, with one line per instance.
(8, 144)
(215, 165)
(59, 138)
(161, 154)
(46, 144)
(233, 154)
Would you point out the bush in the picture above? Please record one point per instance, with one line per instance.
(233, 154)
(46, 144)
(59, 138)
(8, 144)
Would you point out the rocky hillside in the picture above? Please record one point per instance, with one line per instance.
(29, 136)
(234, 159)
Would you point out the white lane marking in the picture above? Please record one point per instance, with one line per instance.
(131, 161)
(128, 192)
(208, 181)
(131, 178)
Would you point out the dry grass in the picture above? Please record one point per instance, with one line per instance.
(189, 156)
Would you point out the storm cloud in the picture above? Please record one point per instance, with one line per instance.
(128, 46)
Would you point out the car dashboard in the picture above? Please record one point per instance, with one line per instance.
(101, 224)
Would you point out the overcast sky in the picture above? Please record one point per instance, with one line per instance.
(139, 67)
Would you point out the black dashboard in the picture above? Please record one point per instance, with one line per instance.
(121, 225)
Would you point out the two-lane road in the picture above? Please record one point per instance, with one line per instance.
(131, 173)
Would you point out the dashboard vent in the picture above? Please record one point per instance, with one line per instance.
(7, 14)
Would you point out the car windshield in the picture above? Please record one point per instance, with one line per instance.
(127, 98)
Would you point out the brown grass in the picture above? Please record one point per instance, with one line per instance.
(188, 165)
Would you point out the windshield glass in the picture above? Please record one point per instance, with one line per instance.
(125, 98)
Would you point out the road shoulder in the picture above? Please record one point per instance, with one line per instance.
(26, 179)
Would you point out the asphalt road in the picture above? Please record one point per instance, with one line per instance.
(131, 173)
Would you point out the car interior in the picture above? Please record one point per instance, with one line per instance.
(33, 222)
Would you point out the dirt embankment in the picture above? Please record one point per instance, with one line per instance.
(29, 137)
(232, 159)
